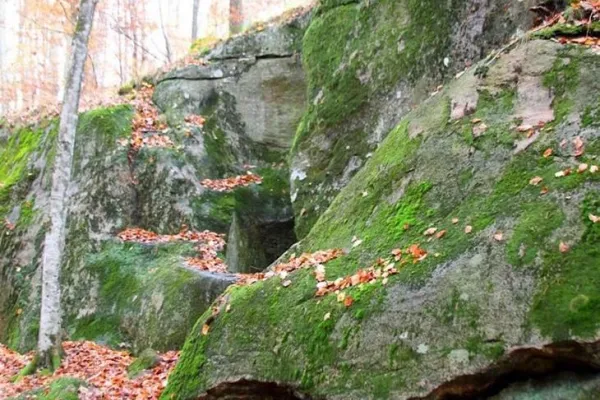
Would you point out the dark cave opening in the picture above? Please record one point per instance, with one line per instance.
(253, 390)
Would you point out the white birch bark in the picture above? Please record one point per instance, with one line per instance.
(49, 340)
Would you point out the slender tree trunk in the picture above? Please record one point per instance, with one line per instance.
(49, 340)
(195, 19)
(164, 32)
(236, 16)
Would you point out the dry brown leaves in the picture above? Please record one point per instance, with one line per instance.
(305, 260)
(195, 120)
(228, 184)
(209, 245)
(104, 369)
(381, 270)
(147, 127)
(138, 235)
(588, 12)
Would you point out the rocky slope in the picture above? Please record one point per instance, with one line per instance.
(497, 282)
(143, 295)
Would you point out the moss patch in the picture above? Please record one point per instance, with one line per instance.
(14, 158)
(537, 222)
(60, 389)
(568, 299)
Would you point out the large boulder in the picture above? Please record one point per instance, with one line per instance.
(368, 63)
(509, 291)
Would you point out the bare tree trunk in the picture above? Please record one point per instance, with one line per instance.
(195, 19)
(164, 32)
(49, 341)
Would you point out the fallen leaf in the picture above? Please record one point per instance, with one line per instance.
(579, 146)
(593, 169)
(563, 247)
(286, 283)
(205, 329)
(524, 128)
(320, 272)
(397, 253)
(544, 190)
(562, 173)
(536, 180)
(430, 231)
(228, 308)
(548, 153)
(479, 130)
(499, 236)
(327, 316)
(348, 301)
(476, 120)
(594, 218)
(416, 252)
(468, 229)
(455, 221)
(440, 234)
(582, 168)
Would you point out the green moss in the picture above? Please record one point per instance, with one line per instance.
(128, 276)
(538, 220)
(591, 116)
(109, 124)
(146, 360)
(568, 299)
(26, 215)
(126, 89)
(565, 29)
(563, 79)
(59, 389)
(477, 345)
(104, 330)
(217, 147)
(203, 45)
(14, 158)
(378, 43)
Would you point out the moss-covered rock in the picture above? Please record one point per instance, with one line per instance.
(119, 294)
(368, 63)
(59, 389)
(480, 292)
(146, 360)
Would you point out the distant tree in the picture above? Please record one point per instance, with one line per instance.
(236, 16)
(195, 19)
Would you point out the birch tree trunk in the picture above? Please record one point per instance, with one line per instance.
(195, 19)
(49, 340)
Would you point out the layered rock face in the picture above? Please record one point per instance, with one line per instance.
(493, 237)
(142, 295)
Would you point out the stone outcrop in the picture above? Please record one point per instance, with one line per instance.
(368, 63)
(251, 94)
(497, 301)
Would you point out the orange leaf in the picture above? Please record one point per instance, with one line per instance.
(348, 301)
